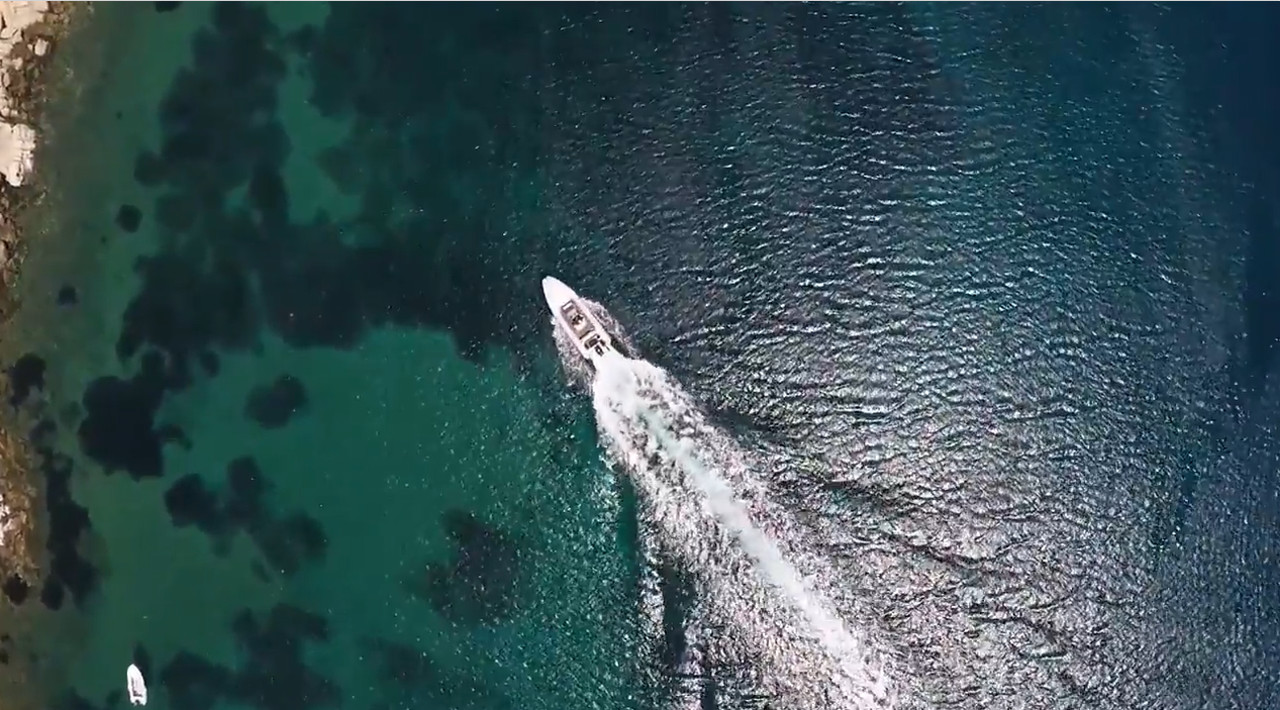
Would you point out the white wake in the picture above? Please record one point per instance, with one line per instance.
(685, 471)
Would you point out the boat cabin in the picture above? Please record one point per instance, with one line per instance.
(578, 323)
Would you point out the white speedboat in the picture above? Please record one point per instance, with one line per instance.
(136, 686)
(572, 314)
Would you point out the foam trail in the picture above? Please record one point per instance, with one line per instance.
(654, 430)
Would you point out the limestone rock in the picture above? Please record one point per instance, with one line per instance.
(17, 149)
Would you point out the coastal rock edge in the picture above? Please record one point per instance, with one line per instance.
(29, 34)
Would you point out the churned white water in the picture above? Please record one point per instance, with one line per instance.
(685, 472)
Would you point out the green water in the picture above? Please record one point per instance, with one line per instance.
(398, 431)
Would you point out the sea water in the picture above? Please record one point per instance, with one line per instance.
(982, 292)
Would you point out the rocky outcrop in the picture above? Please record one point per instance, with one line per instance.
(28, 34)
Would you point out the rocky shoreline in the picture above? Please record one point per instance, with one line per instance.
(29, 35)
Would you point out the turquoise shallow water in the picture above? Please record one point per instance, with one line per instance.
(398, 436)
(983, 295)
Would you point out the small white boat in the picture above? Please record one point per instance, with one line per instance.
(586, 331)
(136, 685)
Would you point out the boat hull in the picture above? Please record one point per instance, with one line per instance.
(572, 314)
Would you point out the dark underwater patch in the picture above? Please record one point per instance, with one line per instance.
(52, 594)
(268, 196)
(129, 218)
(286, 542)
(274, 675)
(16, 589)
(148, 169)
(176, 213)
(166, 6)
(68, 520)
(25, 376)
(67, 296)
(190, 502)
(303, 39)
(271, 406)
(186, 308)
(119, 430)
(479, 585)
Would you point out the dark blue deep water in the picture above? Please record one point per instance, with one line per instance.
(989, 294)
